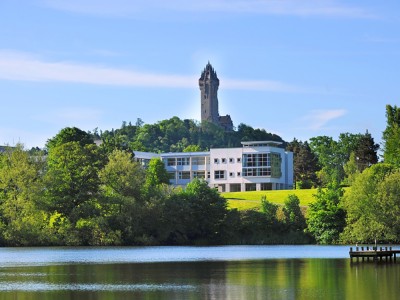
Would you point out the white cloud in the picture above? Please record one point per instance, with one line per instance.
(25, 67)
(139, 8)
(17, 66)
(317, 119)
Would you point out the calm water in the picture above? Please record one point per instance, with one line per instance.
(234, 272)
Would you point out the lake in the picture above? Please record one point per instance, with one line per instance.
(226, 272)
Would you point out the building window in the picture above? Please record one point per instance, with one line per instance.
(262, 165)
(239, 174)
(199, 174)
(183, 175)
(219, 174)
(235, 187)
(251, 187)
(196, 161)
(231, 160)
(208, 175)
(171, 175)
(266, 186)
(238, 159)
(224, 160)
(171, 162)
(230, 174)
(215, 160)
(183, 161)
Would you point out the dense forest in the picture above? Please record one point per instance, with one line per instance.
(75, 192)
(176, 135)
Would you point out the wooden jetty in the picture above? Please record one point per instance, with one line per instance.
(375, 253)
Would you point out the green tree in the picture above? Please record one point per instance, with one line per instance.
(351, 170)
(192, 148)
(122, 178)
(326, 217)
(391, 136)
(70, 134)
(388, 198)
(72, 179)
(366, 152)
(305, 164)
(366, 220)
(334, 155)
(269, 209)
(195, 216)
(23, 223)
(329, 159)
(156, 173)
(294, 218)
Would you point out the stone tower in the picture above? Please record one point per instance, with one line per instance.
(209, 84)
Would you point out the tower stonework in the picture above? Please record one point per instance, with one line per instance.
(209, 84)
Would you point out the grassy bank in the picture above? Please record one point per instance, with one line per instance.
(252, 200)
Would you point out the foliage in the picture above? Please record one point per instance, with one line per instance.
(351, 170)
(72, 179)
(22, 223)
(334, 155)
(122, 182)
(326, 217)
(121, 178)
(294, 218)
(82, 194)
(256, 228)
(70, 134)
(156, 173)
(371, 205)
(305, 164)
(269, 209)
(195, 215)
(176, 135)
(366, 152)
(327, 151)
(391, 136)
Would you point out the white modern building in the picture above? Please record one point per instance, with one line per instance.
(255, 166)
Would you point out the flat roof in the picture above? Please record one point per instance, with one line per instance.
(261, 143)
(183, 154)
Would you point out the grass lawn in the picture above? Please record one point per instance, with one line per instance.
(252, 200)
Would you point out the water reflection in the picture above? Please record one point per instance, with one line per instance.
(239, 279)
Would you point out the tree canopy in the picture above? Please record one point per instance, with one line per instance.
(391, 136)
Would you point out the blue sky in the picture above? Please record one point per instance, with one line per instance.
(295, 68)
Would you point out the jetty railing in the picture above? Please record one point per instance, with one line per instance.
(374, 253)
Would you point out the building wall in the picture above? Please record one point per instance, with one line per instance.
(228, 169)
(262, 166)
(184, 167)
